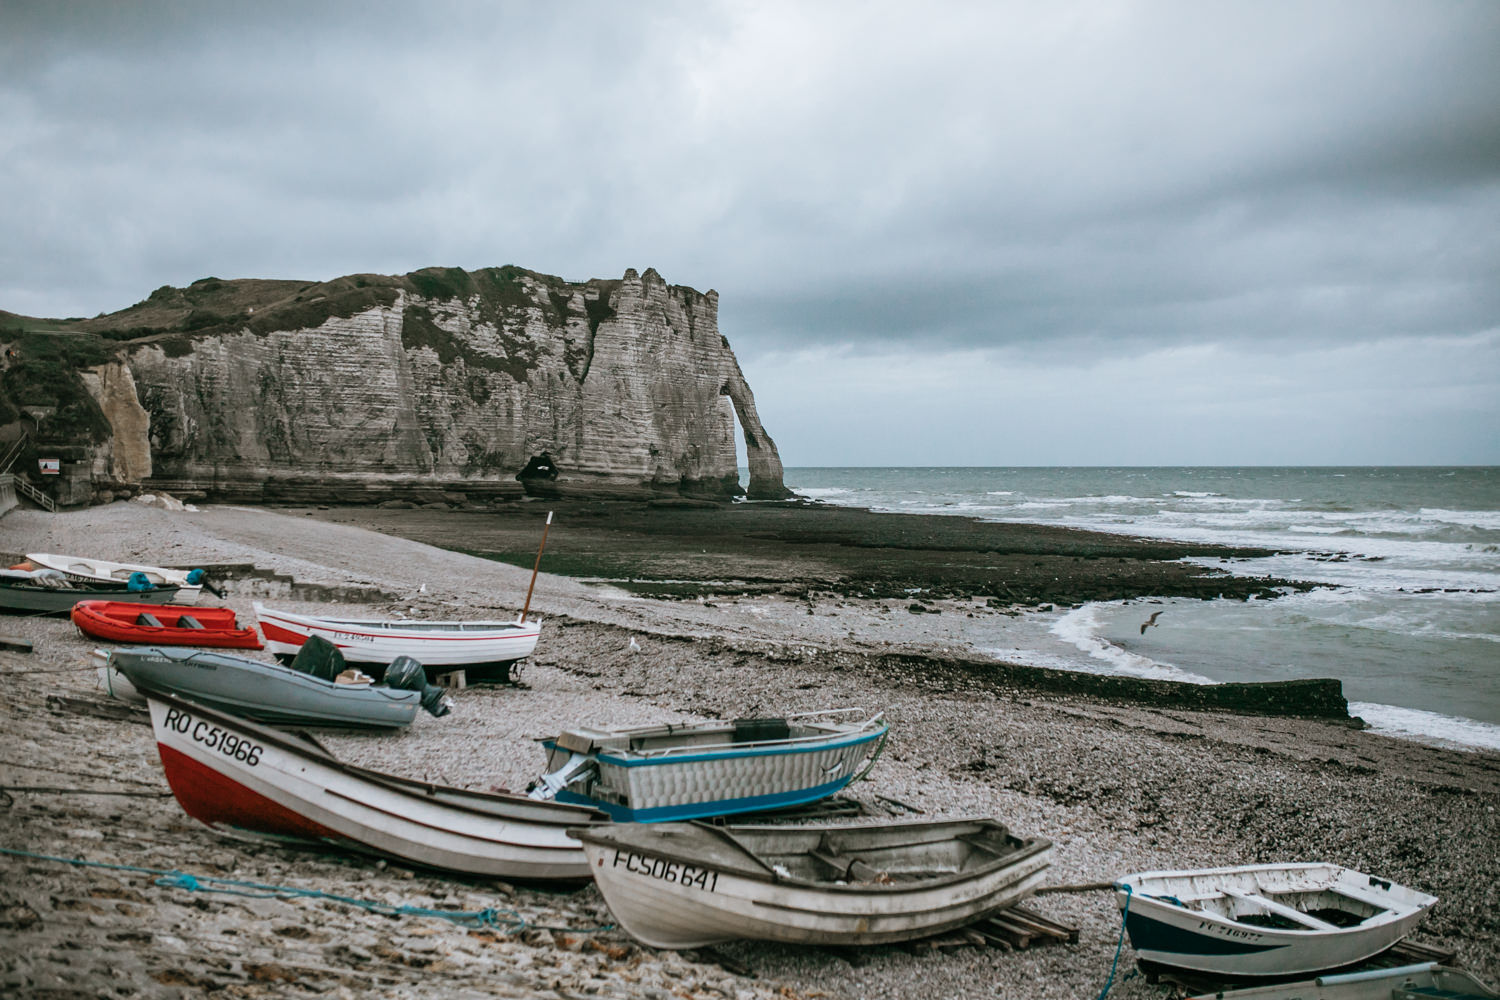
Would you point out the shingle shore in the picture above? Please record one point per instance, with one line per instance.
(1116, 788)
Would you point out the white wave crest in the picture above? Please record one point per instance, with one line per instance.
(1081, 627)
(1428, 727)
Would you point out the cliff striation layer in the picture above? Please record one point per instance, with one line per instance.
(439, 385)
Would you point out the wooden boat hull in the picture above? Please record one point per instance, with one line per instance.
(643, 786)
(1196, 919)
(30, 599)
(85, 568)
(264, 692)
(236, 776)
(1426, 979)
(669, 886)
(118, 621)
(439, 645)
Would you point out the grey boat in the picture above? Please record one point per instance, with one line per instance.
(263, 692)
(48, 592)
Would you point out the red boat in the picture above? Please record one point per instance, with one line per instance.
(162, 625)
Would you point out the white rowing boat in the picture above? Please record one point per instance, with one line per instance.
(652, 774)
(688, 885)
(1261, 920)
(241, 777)
(439, 646)
(189, 585)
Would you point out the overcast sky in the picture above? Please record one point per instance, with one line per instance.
(942, 234)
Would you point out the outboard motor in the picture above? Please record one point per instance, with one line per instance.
(320, 658)
(579, 767)
(199, 577)
(407, 674)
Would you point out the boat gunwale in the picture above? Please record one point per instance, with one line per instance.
(1389, 912)
(868, 730)
(1027, 847)
(466, 629)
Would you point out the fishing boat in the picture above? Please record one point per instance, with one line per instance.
(688, 885)
(441, 647)
(121, 621)
(265, 692)
(1404, 982)
(242, 778)
(1257, 920)
(49, 592)
(685, 771)
(190, 583)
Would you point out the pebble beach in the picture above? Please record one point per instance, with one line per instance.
(88, 906)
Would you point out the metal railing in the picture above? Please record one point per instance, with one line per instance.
(13, 453)
(35, 495)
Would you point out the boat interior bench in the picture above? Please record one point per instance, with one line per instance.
(1280, 909)
(188, 621)
(146, 618)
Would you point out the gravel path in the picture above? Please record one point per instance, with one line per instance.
(1117, 789)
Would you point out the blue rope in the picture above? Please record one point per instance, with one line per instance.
(1125, 912)
(504, 919)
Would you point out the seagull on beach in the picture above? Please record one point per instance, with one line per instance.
(1150, 621)
(635, 647)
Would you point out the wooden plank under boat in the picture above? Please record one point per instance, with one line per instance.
(1263, 920)
(1405, 982)
(688, 885)
(236, 776)
(264, 692)
(121, 621)
(662, 773)
(441, 646)
(86, 568)
(48, 592)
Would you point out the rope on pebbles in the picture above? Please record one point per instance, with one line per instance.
(502, 919)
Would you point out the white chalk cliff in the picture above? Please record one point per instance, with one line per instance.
(435, 384)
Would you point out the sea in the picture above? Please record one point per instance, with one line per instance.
(1408, 558)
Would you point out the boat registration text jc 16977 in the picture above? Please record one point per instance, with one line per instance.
(667, 871)
(227, 743)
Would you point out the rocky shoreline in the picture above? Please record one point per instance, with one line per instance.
(1118, 785)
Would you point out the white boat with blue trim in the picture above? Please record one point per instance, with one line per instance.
(1266, 920)
(687, 885)
(686, 771)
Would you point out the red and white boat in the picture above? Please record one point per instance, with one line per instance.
(241, 777)
(439, 646)
(159, 625)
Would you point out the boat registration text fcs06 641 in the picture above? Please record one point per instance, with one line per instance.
(211, 736)
(667, 871)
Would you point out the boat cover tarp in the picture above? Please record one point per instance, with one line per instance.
(320, 658)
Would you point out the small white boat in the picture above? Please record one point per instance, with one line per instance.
(1405, 982)
(1261, 920)
(190, 586)
(669, 772)
(439, 646)
(243, 778)
(688, 885)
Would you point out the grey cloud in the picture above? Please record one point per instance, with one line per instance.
(1110, 175)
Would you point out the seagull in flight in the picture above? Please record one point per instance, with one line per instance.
(1150, 621)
